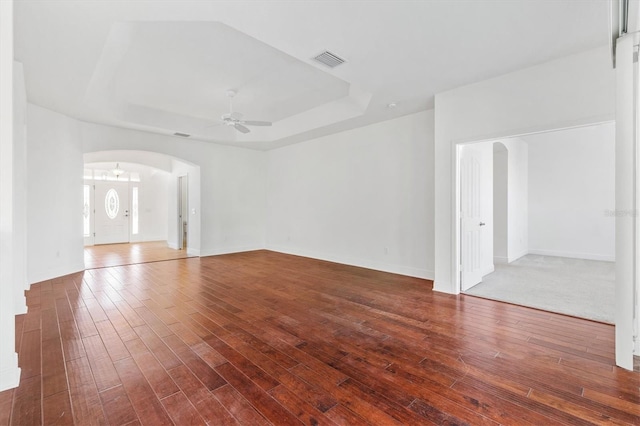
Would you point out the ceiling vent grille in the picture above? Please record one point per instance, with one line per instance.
(329, 59)
(182, 135)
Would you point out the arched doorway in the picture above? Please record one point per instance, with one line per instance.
(146, 203)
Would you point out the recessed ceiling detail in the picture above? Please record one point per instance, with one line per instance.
(163, 69)
(329, 59)
(168, 75)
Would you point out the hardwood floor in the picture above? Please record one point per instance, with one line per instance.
(265, 338)
(104, 255)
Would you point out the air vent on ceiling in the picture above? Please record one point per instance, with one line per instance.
(183, 135)
(329, 59)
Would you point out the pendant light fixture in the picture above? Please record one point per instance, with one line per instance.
(117, 171)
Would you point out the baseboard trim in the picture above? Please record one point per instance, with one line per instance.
(572, 255)
(56, 272)
(500, 260)
(22, 308)
(488, 269)
(517, 256)
(409, 271)
(10, 377)
(443, 287)
(229, 250)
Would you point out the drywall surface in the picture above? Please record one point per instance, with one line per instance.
(232, 199)
(153, 199)
(572, 193)
(517, 198)
(500, 203)
(19, 251)
(54, 195)
(362, 197)
(9, 370)
(575, 90)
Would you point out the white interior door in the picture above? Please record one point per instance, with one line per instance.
(471, 222)
(112, 212)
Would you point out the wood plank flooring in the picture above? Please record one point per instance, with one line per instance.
(104, 255)
(265, 338)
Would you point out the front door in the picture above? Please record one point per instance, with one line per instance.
(112, 212)
(470, 218)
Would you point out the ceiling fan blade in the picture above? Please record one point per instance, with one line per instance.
(239, 127)
(256, 123)
(235, 115)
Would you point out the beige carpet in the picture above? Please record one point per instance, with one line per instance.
(578, 287)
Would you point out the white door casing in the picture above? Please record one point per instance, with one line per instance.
(626, 143)
(183, 212)
(470, 220)
(112, 212)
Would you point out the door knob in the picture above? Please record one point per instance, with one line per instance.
(482, 224)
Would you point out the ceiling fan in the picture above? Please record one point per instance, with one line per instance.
(234, 119)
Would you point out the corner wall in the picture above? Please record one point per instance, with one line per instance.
(362, 197)
(572, 193)
(517, 198)
(54, 195)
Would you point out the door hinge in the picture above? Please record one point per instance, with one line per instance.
(94, 234)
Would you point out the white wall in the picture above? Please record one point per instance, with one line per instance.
(19, 251)
(500, 203)
(9, 370)
(517, 198)
(153, 201)
(571, 189)
(362, 197)
(571, 91)
(54, 195)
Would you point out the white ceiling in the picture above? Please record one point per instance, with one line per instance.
(164, 66)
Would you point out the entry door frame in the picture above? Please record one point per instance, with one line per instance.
(123, 213)
(90, 239)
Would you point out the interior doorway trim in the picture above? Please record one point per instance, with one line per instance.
(457, 147)
(183, 212)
